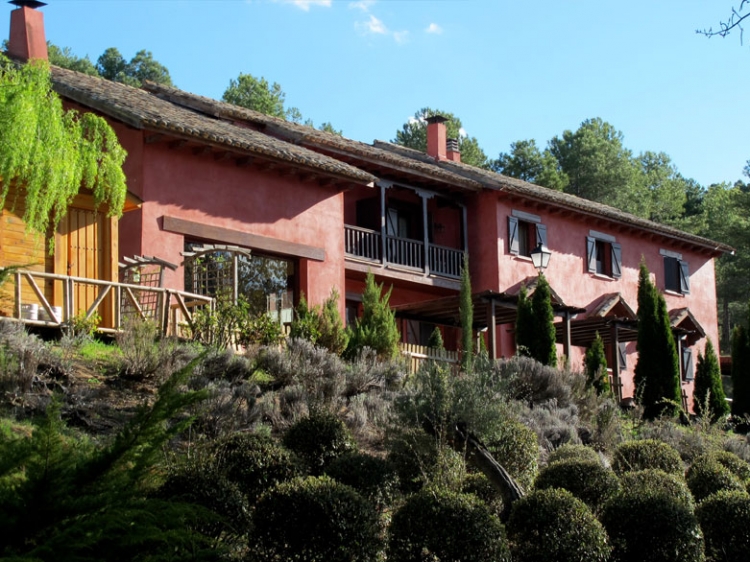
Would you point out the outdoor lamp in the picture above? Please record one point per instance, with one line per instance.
(540, 257)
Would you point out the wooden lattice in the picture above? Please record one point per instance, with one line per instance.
(144, 271)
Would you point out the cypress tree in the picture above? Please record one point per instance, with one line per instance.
(596, 366)
(543, 347)
(524, 324)
(466, 310)
(708, 385)
(657, 373)
(740, 364)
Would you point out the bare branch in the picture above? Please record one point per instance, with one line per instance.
(734, 22)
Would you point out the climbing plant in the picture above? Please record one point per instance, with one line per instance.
(50, 153)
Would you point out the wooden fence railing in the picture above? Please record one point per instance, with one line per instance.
(166, 307)
(419, 354)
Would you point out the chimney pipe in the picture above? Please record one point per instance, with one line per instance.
(453, 151)
(27, 40)
(436, 137)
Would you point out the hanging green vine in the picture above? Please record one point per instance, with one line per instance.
(50, 153)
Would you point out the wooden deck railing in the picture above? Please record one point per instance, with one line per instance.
(366, 244)
(166, 307)
(419, 354)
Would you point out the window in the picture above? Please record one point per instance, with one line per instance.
(686, 364)
(603, 255)
(676, 273)
(525, 232)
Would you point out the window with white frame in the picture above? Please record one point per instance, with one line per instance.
(603, 255)
(525, 232)
(676, 272)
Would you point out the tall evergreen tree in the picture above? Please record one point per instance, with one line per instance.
(377, 329)
(740, 365)
(657, 373)
(543, 347)
(466, 310)
(524, 323)
(596, 366)
(708, 391)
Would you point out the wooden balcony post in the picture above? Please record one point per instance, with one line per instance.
(383, 234)
(492, 332)
(616, 360)
(425, 234)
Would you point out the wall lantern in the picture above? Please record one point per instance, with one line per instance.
(540, 257)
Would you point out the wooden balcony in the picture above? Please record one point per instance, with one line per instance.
(366, 244)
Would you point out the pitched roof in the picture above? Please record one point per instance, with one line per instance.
(143, 110)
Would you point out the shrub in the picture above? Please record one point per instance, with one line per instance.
(596, 366)
(318, 439)
(254, 463)
(441, 525)
(708, 475)
(373, 477)
(708, 394)
(643, 454)
(412, 454)
(142, 354)
(571, 451)
(534, 383)
(725, 520)
(480, 486)
(377, 329)
(652, 519)
(587, 480)
(333, 335)
(315, 519)
(555, 526)
(515, 447)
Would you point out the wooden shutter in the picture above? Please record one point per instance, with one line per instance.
(616, 260)
(591, 254)
(684, 277)
(622, 350)
(513, 244)
(687, 364)
(541, 234)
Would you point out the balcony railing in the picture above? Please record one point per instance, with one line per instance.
(366, 244)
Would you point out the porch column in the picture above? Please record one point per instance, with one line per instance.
(425, 234)
(615, 337)
(383, 242)
(566, 334)
(464, 229)
(492, 332)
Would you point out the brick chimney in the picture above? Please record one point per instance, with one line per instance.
(27, 40)
(453, 153)
(436, 137)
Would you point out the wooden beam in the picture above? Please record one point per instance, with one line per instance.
(154, 138)
(244, 161)
(202, 150)
(177, 144)
(222, 156)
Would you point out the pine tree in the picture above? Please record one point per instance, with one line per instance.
(708, 391)
(377, 329)
(436, 340)
(306, 323)
(524, 324)
(740, 366)
(466, 310)
(333, 334)
(657, 373)
(596, 366)
(543, 347)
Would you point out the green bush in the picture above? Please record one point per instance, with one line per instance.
(441, 525)
(652, 519)
(708, 475)
(644, 454)
(373, 477)
(515, 447)
(315, 519)
(480, 486)
(554, 526)
(318, 439)
(255, 463)
(587, 480)
(572, 451)
(413, 455)
(725, 520)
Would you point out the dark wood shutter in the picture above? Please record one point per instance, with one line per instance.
(591, 254)
(616, 260)
(684, 277)
(513, 245)
(541, 234)
(622, 350)
(687, 364)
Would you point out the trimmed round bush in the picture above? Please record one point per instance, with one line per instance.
(571, 451)
(318, 439)
(554, 526)
(412, 454)
(737, 466)
(255, 463)
(373, 477)
(725, 520)
(315, 519)
(587, 480)
(516, 448)
(644, 454)
(442, 525)
(480, 486)
(652, 519)
(707, 476)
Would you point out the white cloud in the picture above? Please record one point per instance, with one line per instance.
(363, 5)
(434, 28)
(462, 133)
(305, 4)
(373, 25)
(401, 36)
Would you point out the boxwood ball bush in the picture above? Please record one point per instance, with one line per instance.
(443, 525)
(318, 439)
(314, 519)
(255, 463)
(725, 520)
(373, 477)
(573, 451)
(652, 519)
(707, 476)
(587, 480)
(644, 454)
(554, 526)
(516, 448)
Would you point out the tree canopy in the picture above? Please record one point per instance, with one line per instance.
(112, 66)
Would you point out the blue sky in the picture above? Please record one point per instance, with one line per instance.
(510, 70)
